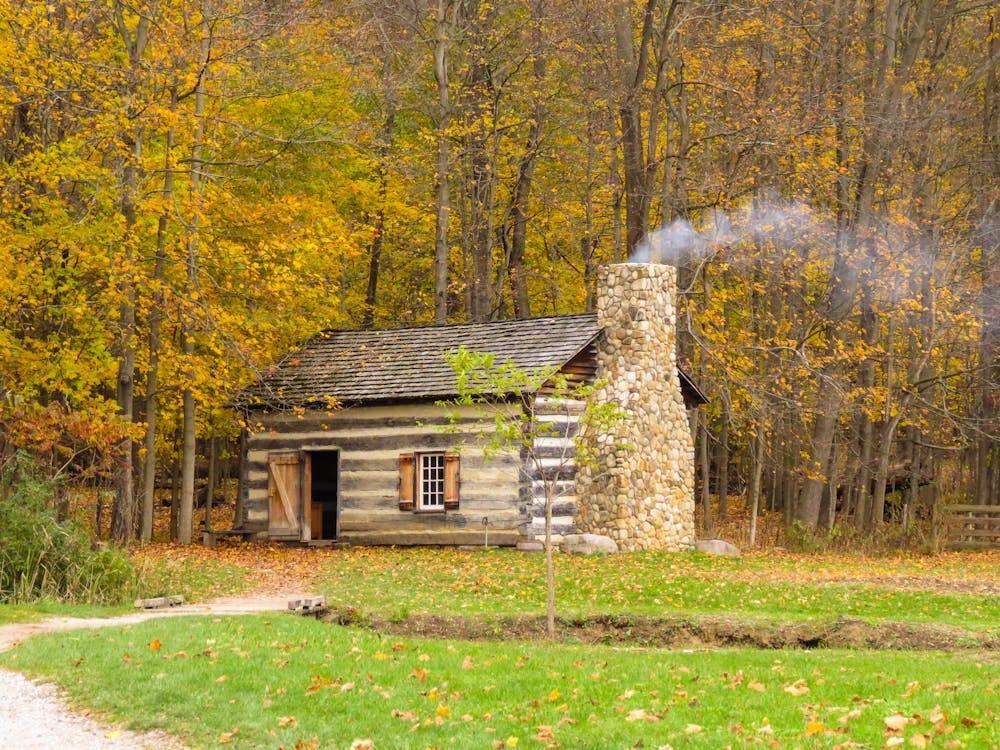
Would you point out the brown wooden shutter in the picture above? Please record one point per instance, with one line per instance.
(407, 481)
(451, 481)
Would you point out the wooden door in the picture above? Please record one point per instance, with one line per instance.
(284, 495)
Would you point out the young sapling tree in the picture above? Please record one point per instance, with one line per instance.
(540, 413)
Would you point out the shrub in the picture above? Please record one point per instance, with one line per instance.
(42, 558)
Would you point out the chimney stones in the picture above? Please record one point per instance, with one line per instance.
(640, 489)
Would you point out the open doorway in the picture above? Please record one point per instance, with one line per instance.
(325, 493)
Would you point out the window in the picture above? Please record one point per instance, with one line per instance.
(428, 481)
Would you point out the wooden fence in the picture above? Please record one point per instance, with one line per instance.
(970, 526)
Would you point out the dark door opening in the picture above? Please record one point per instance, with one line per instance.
(325, 494)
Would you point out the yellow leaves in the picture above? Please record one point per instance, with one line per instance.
(155, 645)
(815, 727)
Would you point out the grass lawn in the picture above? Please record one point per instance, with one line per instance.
(397, 582)
(268, 682)
(290, 682)
(41, 610)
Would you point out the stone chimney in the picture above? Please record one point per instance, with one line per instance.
(639, 490)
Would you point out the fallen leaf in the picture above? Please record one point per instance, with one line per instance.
(636, 714)
(288, 721)
(855, 713)
(799, 687)
(758, 686)
(155, 645)
(227, 737)
(221, 678)
(545, 733)
(895, 723)
(919, 740)
(692, 729)
(814, 727)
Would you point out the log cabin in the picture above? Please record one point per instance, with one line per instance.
(348, 440)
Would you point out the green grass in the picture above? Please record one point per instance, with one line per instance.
(387, 582)
(283, 679)
(195, 578)
(43, 609)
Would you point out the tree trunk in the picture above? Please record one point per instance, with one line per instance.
(213, 471)
(722, 462)
(123, 515)
(155, 323)
(756, 473)
(444, 31)
(197, 180)
(189, 450)
(123, 512)
(550, 577)
(706, 468)
(378, 238)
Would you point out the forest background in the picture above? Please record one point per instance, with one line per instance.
(189, 188)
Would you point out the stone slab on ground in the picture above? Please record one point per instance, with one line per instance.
(589, 544)
(716, 547)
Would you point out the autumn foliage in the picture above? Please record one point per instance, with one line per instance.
(187, 190)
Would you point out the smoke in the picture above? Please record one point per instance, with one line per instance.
(788, 225)
(679, 241)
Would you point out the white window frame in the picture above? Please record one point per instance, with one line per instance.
(431, 481)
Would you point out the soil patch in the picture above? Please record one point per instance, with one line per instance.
(680, 632)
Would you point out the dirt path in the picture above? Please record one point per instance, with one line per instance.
(37, 717)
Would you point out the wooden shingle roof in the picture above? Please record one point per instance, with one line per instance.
(409, 363)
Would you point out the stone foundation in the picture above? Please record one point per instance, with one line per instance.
(640, 489)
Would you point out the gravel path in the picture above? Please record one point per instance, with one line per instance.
(36, 717)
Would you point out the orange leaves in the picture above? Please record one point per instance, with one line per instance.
(227, 737)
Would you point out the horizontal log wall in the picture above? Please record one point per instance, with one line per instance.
(370, 440)
(550, 465)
